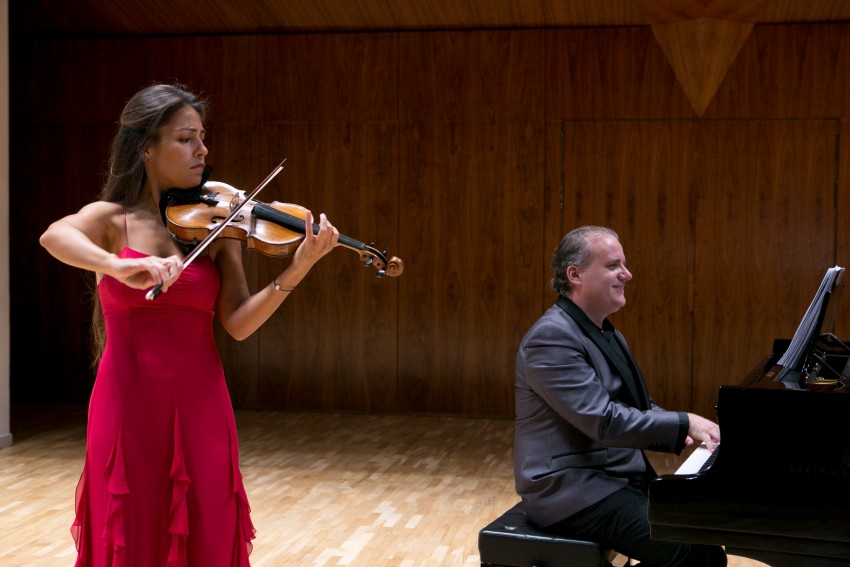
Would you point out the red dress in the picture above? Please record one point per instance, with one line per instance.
(161, 485)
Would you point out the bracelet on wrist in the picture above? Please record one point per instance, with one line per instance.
(278, 288)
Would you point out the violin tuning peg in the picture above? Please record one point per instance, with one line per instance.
(368, 262)
(382, 273)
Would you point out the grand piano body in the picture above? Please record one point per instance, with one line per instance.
(777, 489)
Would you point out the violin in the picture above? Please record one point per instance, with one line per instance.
(275, 229)
(197, 216)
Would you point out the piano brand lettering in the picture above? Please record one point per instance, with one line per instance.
(813, 472)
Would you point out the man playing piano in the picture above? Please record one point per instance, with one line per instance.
(584, 417)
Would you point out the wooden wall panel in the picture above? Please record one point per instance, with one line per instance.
(635, 178)
(50, 310)
(76, 70)
(765, 236)
(465, 76)
(334, 344)
(223, 69)
(472, 197)
(609, 74)
(89, 81)
(554, 195)
(332, 77)
(471, 208)
(787, 71)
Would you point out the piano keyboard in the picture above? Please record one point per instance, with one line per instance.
(700, 460)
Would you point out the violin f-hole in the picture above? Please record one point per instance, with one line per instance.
(217, 219)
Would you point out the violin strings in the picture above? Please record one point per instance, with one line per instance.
(266, 212)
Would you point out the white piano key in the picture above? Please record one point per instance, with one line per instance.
(695, 461)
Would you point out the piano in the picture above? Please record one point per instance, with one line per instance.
(777, 488)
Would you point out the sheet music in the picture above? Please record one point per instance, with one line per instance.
(806, 329)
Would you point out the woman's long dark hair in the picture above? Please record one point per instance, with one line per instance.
(143, 115)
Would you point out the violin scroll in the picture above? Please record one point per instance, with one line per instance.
(370, 256)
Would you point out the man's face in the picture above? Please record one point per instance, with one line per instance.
(599, 288)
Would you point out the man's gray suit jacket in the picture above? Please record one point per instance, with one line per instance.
(583, 416)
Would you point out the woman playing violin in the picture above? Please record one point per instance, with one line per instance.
(161, 483)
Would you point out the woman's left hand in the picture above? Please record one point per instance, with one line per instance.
(315, 246)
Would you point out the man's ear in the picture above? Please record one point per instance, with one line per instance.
(573, 274)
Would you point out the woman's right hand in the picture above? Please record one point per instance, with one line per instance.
(147, 272)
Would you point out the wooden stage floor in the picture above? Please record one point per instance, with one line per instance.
(325, 489)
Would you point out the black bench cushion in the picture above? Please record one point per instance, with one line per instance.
(510, 541)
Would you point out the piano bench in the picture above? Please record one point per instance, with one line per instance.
(510, 541)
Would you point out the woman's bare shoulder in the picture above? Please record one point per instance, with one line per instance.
(101, 209)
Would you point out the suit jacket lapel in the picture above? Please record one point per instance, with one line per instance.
(640, 384)
(623, 367)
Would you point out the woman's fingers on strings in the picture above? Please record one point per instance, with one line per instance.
(328, 233)
(321, 239)
(308, 223)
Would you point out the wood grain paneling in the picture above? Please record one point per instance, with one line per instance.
(91, 80)
(334, 344)
(765, 236)
(666, 11)
(787, 71)
(50, 309)
(471, 210)
(340, 77)
(76, 70)
(700, 52)
(462, 76)
(161, 17)
(554, 196)
(222, 69)
(471, 109)
(609, 74)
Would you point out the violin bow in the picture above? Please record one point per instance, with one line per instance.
(155, 290)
